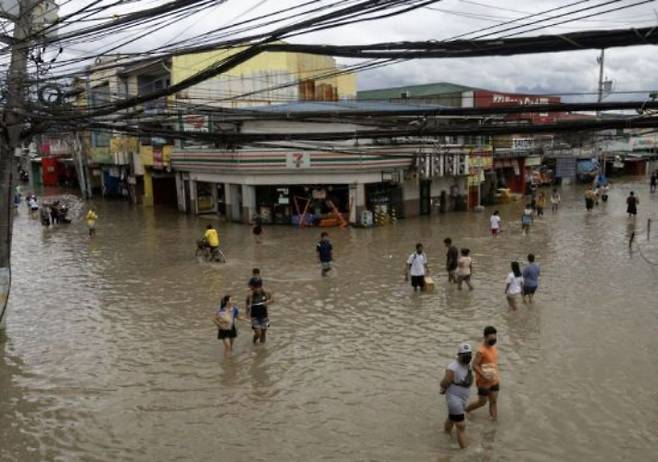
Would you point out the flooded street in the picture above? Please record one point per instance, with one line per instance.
(111, 355)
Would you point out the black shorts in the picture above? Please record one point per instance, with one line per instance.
(529, 290)
(482, 391)
(456, 417)
(418, 281)
(222, 334)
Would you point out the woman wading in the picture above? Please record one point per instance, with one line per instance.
(225, 318)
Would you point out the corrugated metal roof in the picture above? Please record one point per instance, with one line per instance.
(413, 91)
(343, 106)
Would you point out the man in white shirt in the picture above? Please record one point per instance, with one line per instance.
(417, 267)
(495, 223)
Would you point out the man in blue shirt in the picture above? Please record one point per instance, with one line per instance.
(324, 250)
(530, 279)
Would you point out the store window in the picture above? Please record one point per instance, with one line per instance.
(205, 197)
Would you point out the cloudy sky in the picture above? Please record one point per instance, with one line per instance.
(631, 69)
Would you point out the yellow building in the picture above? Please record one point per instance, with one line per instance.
(269, 78)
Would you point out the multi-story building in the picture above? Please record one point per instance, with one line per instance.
(140, 168)
(514, 155)
(294, 181)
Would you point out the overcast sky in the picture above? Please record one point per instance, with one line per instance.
(631, 69)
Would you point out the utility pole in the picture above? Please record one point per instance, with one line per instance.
(12, 124)
(601, 61)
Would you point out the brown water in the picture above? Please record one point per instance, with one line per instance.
(110, 353)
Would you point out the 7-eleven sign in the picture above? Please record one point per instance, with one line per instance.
(295, 160)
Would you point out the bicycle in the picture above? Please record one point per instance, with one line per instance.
(208, 253)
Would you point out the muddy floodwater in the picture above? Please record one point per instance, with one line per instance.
(110, 354)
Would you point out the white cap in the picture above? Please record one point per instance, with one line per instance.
(464, 348)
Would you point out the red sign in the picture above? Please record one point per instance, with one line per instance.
(484, 99)
(158, 157)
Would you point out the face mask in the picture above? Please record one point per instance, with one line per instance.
(491, 341)
(465, 358)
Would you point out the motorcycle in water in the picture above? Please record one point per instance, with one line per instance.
(62, 212)
(57, 213)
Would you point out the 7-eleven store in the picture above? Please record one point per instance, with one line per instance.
(282, 185)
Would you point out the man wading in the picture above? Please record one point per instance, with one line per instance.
(530, 279)
(257, 303)
(485, 366)
(452, 257)
(325, 253)
(416, 268)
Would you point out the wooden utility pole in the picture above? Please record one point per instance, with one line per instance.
(12, 123)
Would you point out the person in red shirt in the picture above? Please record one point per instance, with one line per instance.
(485, 366)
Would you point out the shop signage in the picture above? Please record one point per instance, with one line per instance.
(533, 161)
(431, 165)
(297, 160)
(523, 144)
(521, 100)
(480, 160)
(195, 123)
(124, 144)
(158, 158)
(643, 143)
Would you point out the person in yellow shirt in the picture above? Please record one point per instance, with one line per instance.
(91, 222)
(212, 238)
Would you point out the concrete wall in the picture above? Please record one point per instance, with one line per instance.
(180, 191)
(248, 203)
(358, 201)
(411, 198)
(236, 202)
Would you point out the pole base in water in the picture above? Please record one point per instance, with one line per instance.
(5, 282)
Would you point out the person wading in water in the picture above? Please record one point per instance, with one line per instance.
(456, 386)
(485, 366)
(631, 205)
(225, 319)
(555, 201)
(452, 257)
(416, 268)
(514, 286)
(257, 303)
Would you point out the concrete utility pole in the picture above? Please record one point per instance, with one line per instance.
(601, 61)
(12, 124)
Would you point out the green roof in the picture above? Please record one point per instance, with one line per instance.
(413, 91)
